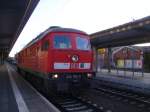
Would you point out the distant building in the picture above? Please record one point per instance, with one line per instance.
(121, 57)
(129, 57)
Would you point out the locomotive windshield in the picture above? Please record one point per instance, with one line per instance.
(62, 42)
(83, 43)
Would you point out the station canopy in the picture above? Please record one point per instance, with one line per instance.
(13, 16)
(134, 32)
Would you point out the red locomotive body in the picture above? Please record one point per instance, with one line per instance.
(59, 57)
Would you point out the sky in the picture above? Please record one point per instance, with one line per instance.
(86, 15)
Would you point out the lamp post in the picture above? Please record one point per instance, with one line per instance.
(142, 59)
(109, 59)
(125, 57)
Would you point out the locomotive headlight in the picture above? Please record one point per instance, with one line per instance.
(55, 76)
(75, 58)
(89, 75)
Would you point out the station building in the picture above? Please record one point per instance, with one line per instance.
(129, 57)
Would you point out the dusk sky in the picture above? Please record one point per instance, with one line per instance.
(87, 15)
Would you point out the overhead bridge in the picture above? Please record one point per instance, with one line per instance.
(13, 16)
(134, 32)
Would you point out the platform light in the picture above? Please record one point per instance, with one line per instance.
(147, 22)
(123, 29)
(129, 27)
(141, 24)
(55, 76)
(118, 30)
(111, 32)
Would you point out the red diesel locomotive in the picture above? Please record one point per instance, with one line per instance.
(59, 58)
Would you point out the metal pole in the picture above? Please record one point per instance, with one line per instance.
(94, 60)
(100, 62)
(125, 51)
(109, 59)
(96, 63)
(116, 66)
(0, 57)
(142, 57)
(117, 70)
(133, 64)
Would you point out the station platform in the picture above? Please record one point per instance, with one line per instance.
(17, 95)
(136, 81)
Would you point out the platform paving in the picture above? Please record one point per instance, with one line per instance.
(17, 95)
(135, 82)
(7, 98)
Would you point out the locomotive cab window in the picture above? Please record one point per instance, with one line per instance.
(45, 46)
(82, 43)
(62, 42)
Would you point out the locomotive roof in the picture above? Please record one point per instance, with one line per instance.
(51, 30)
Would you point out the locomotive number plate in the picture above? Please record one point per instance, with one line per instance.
(74, 65)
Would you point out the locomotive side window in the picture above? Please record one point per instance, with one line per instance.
(45, 45)
(83, 43)
(62, 42)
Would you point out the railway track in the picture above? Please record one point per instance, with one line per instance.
(70, 103)
(73, 104)
(141, 101)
